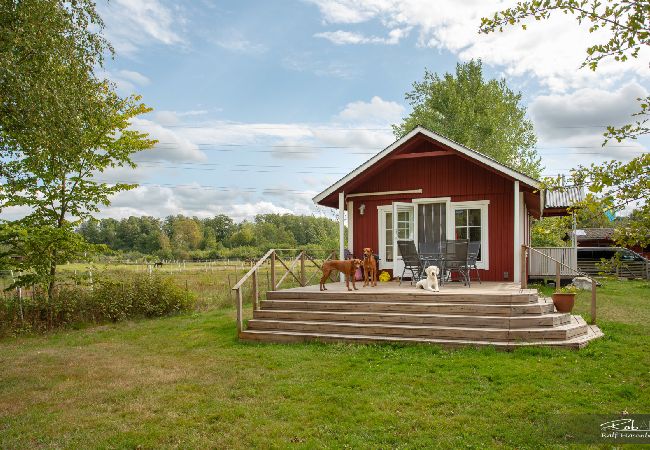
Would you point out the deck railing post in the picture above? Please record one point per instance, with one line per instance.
(240, 305)
(593, 301)
(558, 282)
(524, 266)
(303, 275)
(273, 270)
(256, 297)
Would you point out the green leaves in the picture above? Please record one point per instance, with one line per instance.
(60, 127)
(628, 22)
(482, 114)
(616, 186)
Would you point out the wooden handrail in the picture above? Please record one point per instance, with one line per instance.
(289, 270)
(272, 254)
(253, 269)
(557, 275)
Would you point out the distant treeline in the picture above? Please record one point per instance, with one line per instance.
(181, 237)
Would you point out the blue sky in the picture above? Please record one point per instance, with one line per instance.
(259, 105)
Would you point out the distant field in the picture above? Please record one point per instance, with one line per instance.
(186, 382)
(211, 282)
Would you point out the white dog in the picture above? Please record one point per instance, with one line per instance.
(430, 283)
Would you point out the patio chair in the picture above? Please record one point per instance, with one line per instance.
(472, 255)
(456, 259)
(411, 259)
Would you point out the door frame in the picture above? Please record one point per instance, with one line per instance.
(449, 223)
(398, 264)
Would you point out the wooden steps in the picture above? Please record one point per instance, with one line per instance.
(501, 318)
(540, 307)
(593, 332)
(454, 320)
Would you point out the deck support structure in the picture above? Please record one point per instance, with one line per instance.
(516, 272)
(341, 230)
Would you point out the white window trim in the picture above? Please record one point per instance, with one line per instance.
(484, 263)
(432, 200)
(381, 232)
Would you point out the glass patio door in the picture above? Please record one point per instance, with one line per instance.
(432, 226)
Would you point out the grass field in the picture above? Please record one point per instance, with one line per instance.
(185, 382)
(210, 282)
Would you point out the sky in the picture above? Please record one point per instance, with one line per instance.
(260, 105)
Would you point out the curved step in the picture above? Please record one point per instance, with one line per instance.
(541, 306)
(572, 329)
(592, 332)
(449, 320)
(415, 295)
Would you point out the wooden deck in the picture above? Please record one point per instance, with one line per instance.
(494, 314)
(393, 287)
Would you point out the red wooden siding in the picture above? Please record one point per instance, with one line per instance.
(442, 176)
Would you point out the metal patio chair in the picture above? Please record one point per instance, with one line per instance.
(473, 250)
(412, 261)
(456, 259)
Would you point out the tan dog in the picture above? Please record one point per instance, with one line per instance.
(346, 267)
(369, 268)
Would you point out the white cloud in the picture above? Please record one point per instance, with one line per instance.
(126, 81)
(132, 24)
(309, 62)
(343, 11)
(235, 41)
(195, 200)
(341, 37)
(571, 126)
(376, 110)
(551, 50)
(584, 112)
(172, 146)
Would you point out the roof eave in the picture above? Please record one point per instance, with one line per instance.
(435, 136)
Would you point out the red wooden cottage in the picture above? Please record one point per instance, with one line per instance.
(424, 188)
(427, 188)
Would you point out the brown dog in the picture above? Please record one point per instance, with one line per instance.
(346, 267)
(369, 268)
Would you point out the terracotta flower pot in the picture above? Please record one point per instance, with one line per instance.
(564, 301)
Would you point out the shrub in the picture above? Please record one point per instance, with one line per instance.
(109, 300)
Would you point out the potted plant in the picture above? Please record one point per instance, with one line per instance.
(564, 298)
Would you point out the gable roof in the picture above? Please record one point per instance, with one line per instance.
(473, 154)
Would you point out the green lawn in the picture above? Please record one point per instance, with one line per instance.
(186, 382)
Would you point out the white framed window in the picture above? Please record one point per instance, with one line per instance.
(405, 225)
(470, 221)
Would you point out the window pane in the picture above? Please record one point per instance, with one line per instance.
(461, 217)
(389, 237)
(461, 233)
(475, 234)
(389, 221)
(403, 216)
(389, 253)
(474, 217)
(403, 233)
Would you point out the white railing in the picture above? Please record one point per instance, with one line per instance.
(526, 257)
(542, 261)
